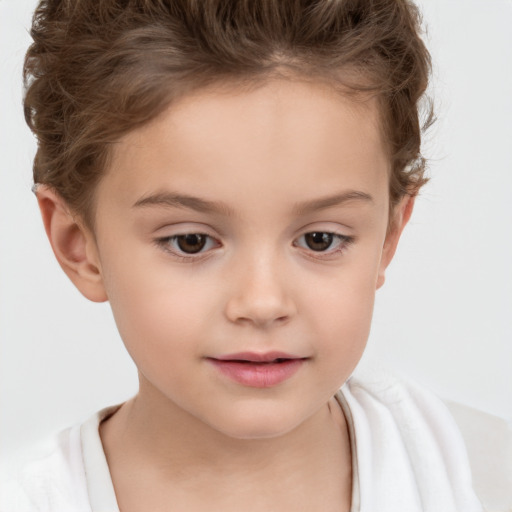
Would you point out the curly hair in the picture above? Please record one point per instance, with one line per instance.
(98, 69)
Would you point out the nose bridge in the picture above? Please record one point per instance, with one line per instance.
(260, 292)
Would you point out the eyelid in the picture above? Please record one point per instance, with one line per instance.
(344, 242)
(164, 243)
(168, 229)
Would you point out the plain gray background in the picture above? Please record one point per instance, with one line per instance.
(443, 317)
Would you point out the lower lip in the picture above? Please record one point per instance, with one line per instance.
(258, 375)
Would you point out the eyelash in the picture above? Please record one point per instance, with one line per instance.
(343, 242)
(165, 243)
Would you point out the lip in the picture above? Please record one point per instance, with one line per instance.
(258, 370)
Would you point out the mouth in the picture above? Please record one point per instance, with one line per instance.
(258, 370)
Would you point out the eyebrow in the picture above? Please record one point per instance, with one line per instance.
(331, 201)
(169, 199)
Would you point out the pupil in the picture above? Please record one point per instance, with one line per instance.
(191, 243)
(319, 241)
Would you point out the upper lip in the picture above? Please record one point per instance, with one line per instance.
(256, 357)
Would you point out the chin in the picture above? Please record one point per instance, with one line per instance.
(264, 425)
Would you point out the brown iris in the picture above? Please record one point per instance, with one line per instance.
(191, 243)
(318, 241)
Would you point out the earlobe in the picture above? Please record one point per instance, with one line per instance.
(399, 218)
(72, 243)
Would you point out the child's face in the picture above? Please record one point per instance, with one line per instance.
(245, 224)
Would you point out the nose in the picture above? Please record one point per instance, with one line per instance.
(260, 293)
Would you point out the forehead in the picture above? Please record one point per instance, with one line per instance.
(292, 136)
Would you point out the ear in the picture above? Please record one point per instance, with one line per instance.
(398, 219)
(72, 243)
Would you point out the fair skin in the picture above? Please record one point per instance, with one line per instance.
(250, 176)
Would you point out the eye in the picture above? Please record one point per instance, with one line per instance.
(187, 244)
(192, 243)
(323, 241)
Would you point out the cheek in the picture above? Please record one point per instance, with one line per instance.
(156, 311)
(344, 328)
(343, 306)
(345, 317)
(162, 332)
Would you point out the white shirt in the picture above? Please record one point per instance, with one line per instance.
(407, 455)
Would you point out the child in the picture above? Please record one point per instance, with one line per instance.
(233, 177)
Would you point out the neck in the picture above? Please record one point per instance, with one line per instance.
(155, 435)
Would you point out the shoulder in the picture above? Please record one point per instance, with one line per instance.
(488, 439)
(409, 406)
(408, 447)
(53, 479)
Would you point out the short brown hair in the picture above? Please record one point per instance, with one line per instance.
(97, 69)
